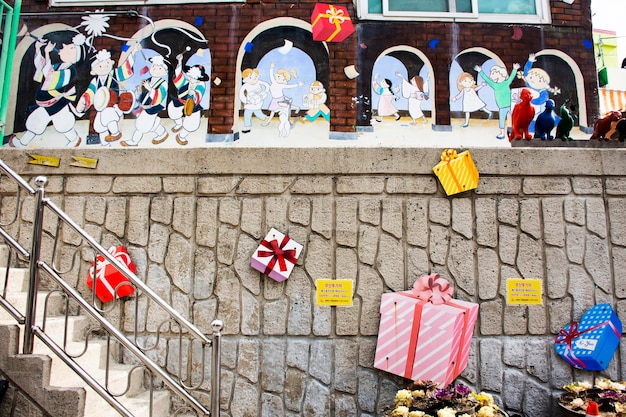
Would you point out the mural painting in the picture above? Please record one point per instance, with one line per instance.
(482, 88)
(158, 88)
(282, 93)
(154, 88)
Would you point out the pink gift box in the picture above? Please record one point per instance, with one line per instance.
(276, 255)
(330, 23)
(421, 340)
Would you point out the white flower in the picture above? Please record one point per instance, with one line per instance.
(403, 397)
(446, 412)
(577, 403)
(486, 411)
(417, 414)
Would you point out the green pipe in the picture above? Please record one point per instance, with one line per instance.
(6, 64)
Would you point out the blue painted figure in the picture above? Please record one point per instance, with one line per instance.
(545, 122)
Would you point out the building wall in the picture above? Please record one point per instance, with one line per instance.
(378, 217)
(564, 49)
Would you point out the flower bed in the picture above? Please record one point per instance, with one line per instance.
(610, 396)
(425, 399)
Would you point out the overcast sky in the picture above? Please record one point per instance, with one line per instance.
(610, 15)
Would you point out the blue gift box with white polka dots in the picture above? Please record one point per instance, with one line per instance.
(591, 343)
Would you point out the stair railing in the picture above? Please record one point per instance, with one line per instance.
(184, 385)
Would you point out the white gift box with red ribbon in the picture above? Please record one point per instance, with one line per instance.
(276, 255)
(425, 333)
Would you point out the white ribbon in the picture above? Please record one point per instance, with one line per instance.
(101, 267)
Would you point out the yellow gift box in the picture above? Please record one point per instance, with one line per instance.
(456, 172)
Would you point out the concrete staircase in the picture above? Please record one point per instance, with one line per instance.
(48, 380)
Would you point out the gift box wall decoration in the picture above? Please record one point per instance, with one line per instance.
(456, 172)
(425, 333)
(109, 282)
(276, 255)
(330, 23)
(591, 343)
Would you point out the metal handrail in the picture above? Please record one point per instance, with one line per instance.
(31, 330)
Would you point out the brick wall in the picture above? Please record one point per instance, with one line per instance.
(226, 25)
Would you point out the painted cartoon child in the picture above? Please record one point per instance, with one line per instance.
(387, 94)
(106, 78)
(152, 99)
(500, 81)
(416, 92)
(280, 82)
(315, 102)
(252, 94)
(538, 80)
(468, 90)
(56, 92)
(186, 107)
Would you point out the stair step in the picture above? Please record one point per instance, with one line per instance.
(55, 306)
(136, 398)
(17, 279)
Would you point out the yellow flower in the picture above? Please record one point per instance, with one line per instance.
(417, 414)
(620, 408)
(403, 397)
(418, 393)
(577, 387)
(446, 412)
(400, 411)
(483, 398)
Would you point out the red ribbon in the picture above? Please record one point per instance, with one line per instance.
(566, 336)
(278, 254)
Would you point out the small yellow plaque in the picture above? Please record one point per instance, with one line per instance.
(49, 161)
(82, 162)
(334, 292)
(521, 291)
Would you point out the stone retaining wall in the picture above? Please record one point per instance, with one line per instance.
(192, 218)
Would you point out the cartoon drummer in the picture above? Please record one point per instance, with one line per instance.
(192, 94)
(152, 99)
(103, 93)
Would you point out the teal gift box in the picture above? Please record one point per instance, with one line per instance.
(591, 343)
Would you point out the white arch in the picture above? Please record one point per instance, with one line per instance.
(426, 61)
(483, 51)
(580, 82)
(260, 28)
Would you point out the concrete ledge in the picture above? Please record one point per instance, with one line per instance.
(528, 161)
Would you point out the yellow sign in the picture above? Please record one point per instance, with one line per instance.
(521, 291)
(82, 162)
(333, 292)
(50, 161)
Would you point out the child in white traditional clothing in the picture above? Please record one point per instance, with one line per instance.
(416, 91)
(468, 90)
(387, 97)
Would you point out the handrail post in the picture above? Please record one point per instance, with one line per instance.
(33, 270)
(216, 366)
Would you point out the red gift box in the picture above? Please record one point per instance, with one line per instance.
(330, 23)
(109, 281)
(425, 334)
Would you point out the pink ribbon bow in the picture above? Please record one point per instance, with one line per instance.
(433, 289)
